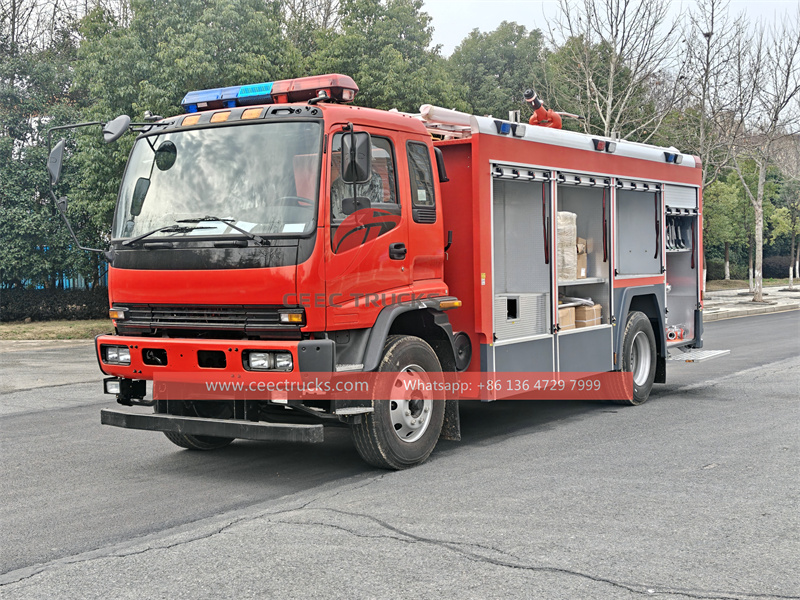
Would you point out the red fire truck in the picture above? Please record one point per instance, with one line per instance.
(273, 230)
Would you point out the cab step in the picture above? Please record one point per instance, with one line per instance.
(692, 356)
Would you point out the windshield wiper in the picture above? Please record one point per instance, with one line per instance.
(251, 236)
(167, 229)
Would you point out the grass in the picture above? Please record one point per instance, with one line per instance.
(716, 285)
(54, 330)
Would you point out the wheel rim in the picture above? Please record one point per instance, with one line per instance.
(640, 358)
(411, 404)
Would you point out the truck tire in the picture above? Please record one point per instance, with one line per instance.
(208, 410)
(197, 442)
(639, 356)
(404, 426)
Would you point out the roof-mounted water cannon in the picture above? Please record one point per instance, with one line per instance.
(318, 88)
(543, 117)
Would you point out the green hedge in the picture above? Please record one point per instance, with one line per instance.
(53, 304)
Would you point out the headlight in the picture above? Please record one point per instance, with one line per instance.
(116, 355)
(268, 361)
(283, 361)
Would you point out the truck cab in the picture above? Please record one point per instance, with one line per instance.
(245, 242)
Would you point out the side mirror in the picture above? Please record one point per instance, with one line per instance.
(113, 130)
(139, 192)
(54, 162)
(356, 157)
(351, 205)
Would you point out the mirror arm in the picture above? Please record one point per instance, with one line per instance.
(69, 227)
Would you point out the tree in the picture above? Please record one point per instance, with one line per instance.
(612, 53)
(786, 222)
(721, 224)
(718, 84)
(497, 67)
(35, 77)
(386, 48)
(775, 115)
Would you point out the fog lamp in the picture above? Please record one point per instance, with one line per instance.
(112, 386)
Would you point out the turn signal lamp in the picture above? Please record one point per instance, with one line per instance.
(292, 317)
(117, 313)
(448, 304)
(340, 88)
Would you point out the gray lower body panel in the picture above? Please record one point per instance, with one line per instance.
(532, 356)
(586, 350)
(226, 428)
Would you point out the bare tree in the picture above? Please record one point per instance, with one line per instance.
(616, 51)
(787, 157)
(31, 24)
(717, 81)
(303, 17)
(775, 116)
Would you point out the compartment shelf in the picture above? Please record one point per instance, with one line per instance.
(585, 281)
(677, 250)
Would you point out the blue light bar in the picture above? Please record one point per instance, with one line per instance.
(205, 99)
(257, 93)
(339, 88)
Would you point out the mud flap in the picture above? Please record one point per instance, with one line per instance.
(451, 428)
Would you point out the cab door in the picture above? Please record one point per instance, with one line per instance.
(366, 247)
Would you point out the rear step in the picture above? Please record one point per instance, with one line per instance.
(692, 356)
(227, 428)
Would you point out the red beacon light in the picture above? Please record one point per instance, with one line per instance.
(337, 88)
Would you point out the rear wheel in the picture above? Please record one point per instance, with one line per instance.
(407, 419)
(639, 356)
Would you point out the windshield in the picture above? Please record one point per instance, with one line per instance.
(262, 178)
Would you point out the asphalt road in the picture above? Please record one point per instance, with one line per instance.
(694, 494)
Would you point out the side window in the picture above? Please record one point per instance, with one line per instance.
(421, 175)
(351, 226)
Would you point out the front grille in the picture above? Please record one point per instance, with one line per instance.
(242, 318)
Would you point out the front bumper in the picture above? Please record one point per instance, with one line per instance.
(225, 428)
(183, 357)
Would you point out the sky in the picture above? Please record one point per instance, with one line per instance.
(454, 19)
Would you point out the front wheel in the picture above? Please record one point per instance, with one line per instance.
(197, 442)
(639, 356)
(407, 419)
(206, 409)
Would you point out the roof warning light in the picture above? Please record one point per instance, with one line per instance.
(339, 88)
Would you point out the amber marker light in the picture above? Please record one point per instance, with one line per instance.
(191, 120)
(251, 113)
(447, 304)
(220, 117)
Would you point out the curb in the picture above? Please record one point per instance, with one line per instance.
(746, 312)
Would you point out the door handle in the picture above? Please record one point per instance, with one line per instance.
(397, 251)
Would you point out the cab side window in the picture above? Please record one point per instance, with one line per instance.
(420, 171)
(351, 225)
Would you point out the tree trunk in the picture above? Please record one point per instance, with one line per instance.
(750, 261)
(758, 290)
(758, 209)
(792, 263)
(727, 260)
